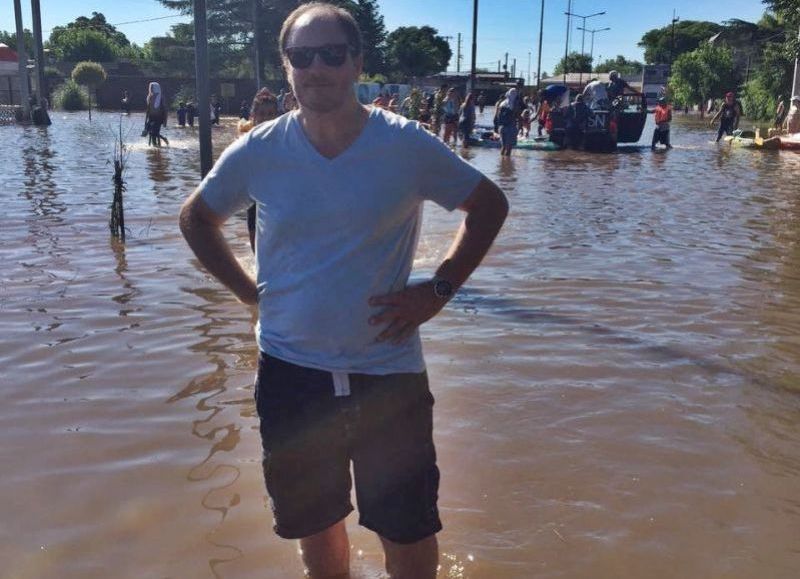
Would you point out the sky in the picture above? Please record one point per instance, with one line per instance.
(510, 26)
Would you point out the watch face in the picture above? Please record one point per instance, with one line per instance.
(443, 289)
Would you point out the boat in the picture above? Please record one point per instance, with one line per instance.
(743, 139)
(622, 122)
(790, 142)
(526, 144)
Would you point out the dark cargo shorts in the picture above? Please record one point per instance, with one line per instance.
(310, 436)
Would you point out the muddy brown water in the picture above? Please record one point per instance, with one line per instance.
(618, 386)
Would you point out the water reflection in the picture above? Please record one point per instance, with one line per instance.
(217, 399)
(158, 162)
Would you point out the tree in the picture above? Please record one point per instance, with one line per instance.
(88, 39)
(417, 51)
(373, 31)
(83, 44)
(689, 34)
(621, 64)
(230, 31)
(91, 75)
(789, 10)
(173, 52)
(701, 74)
(575, 62)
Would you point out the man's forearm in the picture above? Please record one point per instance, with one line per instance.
(212, 250)
(475, 236)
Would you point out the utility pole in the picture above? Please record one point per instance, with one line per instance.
(22, 62)
(38, 52)
(569, 23)
(505, 65)
(566, 43)
(514, 69)
(796, 81)
(474, 44)
(529, 68)
(672, 47)
(458, 57)
(539, 59)
(201, 71)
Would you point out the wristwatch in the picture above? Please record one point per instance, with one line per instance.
(442, 288)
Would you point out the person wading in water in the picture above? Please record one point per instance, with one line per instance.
(339, 190)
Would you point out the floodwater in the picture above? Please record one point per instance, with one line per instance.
(618, 386)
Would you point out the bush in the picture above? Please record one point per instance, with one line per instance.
(758, 103)
(89, 73)
(70, 96)
(185, 94)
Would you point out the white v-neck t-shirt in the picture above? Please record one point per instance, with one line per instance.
(331, 233)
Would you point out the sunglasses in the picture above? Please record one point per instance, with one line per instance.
(331, 55)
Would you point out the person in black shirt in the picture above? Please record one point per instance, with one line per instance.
(728, 114)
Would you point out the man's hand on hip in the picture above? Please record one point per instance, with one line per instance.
(405, 311)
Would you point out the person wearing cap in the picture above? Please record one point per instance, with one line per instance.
(728, 114)
(793, 118)
(617, 85)
(663, 117)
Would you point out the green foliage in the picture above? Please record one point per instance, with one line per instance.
(379, 78)
(73, 45)
(758, 102)
(621, 64)
(373, 31)
(185, 94)
(174, 52)
(88, 39)
(89, 74)
(70, 96)
(689, 34)
(788, 10)
(701, 74)
(573, 62)
(417, 51)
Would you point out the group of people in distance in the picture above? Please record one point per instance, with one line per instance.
(157, 110)
(442, 112)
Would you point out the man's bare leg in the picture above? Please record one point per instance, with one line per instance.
(414, 561)
(326, 555)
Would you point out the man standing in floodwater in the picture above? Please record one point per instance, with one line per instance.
(339, 190)
(728, 114)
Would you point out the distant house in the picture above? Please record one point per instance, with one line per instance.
(9, 76)
(654, 80)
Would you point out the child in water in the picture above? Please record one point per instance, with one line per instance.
(263, 108)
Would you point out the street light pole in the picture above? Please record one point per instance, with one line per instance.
(591, 52)
(474, 44)
(539, 64)
(583, 35)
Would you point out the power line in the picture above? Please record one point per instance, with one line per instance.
(149, 19)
